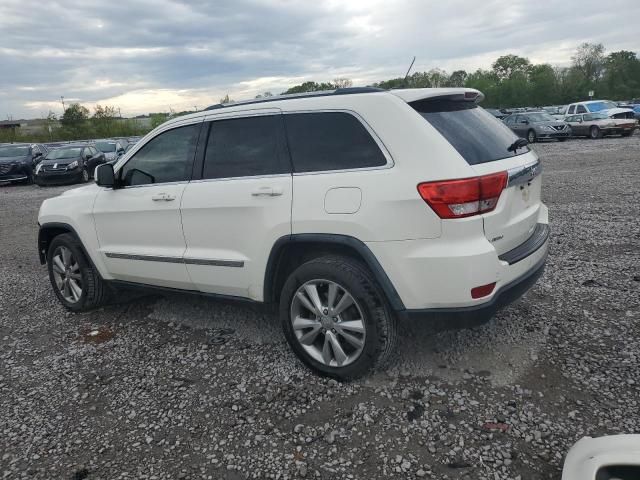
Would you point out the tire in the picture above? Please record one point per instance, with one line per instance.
(562, 139)
(595, 132)
(85, 175)
(79, 271)
(531, 136)
(369, 310)
(627, 134)
(29, 180)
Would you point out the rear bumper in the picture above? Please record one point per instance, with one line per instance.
(465, 317)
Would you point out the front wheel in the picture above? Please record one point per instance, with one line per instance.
(336, 319)
(85, 175)
(531, 136)
(627, 134)
(595, 132)
(562, 139)
(75, 281)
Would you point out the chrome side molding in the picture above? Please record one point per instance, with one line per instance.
(186, 261)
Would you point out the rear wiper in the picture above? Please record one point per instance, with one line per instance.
(519, 143)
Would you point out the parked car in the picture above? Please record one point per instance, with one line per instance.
(112, 149)
(279, 201)
(496, 113)
(69, 164)
(609, 108)
(635, 108)
(536, 126)
(18, 160)
(598, 125)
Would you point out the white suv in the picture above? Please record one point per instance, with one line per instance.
(350, 210)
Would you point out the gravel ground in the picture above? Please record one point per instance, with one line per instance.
(184, 387)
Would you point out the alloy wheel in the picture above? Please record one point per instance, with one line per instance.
(328, 323)
(66, 273)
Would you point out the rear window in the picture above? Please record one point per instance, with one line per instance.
(476, 134)
(322, 141)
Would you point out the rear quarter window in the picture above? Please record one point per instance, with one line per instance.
(323, 141)
(475, 134)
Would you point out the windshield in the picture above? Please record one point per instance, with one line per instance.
(595, 116)
(478, 136)
(106, 147)
(14, 151)
(603, 105)
(64, 153)
(540, 117)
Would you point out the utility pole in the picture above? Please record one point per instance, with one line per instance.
(62, 100)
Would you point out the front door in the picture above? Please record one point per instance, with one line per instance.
(138, 224)
(234, 214)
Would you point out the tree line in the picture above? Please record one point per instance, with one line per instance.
(512, 81)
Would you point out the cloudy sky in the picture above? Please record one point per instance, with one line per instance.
(154, 55)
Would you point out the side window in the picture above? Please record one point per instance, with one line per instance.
(244, 147)
(166, 158)
(581, 109)
(509, 120)
(86, 152)
(330, 141)
(572, 109)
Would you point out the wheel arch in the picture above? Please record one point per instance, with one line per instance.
(291, 251)
(48, 231)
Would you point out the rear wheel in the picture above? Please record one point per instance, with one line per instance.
(336, 319)
(562, 139)
(531, 136)
(595, 132)
(75, 281)
(627, 134)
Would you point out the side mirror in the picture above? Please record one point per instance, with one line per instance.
(89, 156)
(37, 155)
(105, 176)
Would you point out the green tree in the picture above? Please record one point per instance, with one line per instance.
(458, 78)
(309, 87)
(621, 79)
(74, 116)
(508, 65)
(589, 61)
(226, 99)
(342, 82)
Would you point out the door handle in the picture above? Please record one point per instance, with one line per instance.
(163, 197)
(267, 192)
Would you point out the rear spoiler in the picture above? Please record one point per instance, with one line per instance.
(411, 95)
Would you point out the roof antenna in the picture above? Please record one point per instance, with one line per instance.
(407, 74)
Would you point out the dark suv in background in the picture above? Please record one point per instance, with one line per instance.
(18, 160)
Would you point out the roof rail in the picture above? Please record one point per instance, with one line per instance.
(293, 96)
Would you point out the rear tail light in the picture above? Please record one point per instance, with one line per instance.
(464, 197)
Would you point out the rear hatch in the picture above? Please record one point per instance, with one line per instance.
(489, 147)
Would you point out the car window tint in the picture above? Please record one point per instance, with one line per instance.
(475, 134)
(572, 109)
(243, 147)
(581, 109)
(166, 158)
(323, 141)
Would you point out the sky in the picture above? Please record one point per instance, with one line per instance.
(156, 55)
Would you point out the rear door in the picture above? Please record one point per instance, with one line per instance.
(241, 204)
(487, 146)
